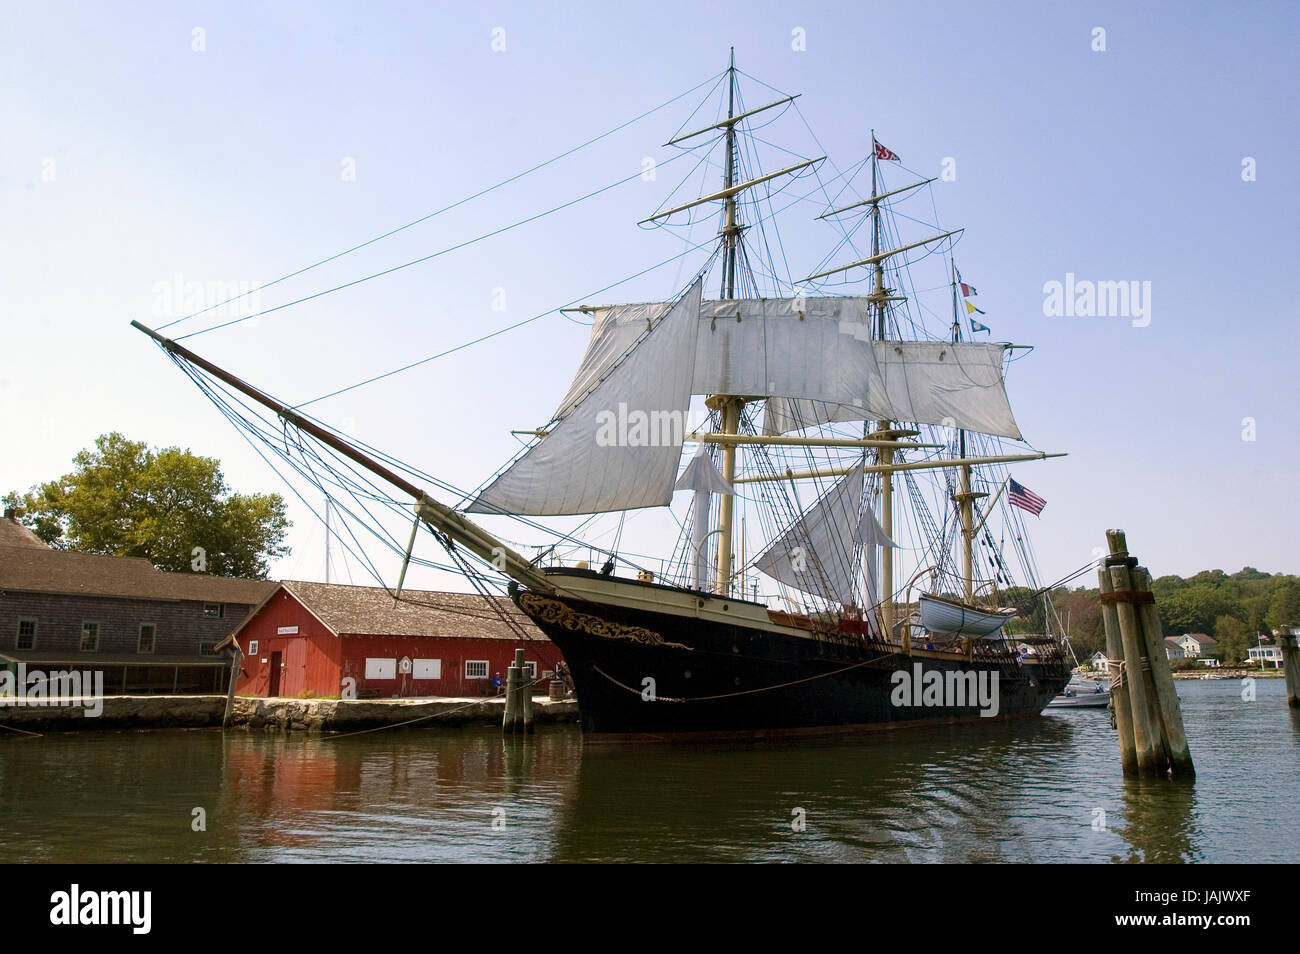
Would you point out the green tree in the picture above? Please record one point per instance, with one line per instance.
(1030, 605)
(126, 499)
(1233, 637)
(1195, 609)
(1249, 573)
(1284, 608)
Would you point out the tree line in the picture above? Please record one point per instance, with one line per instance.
(1234, 608)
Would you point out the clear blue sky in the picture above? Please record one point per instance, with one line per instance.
(129, 158)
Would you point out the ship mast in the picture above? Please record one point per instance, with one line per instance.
(879, 299)
(728, 406)
(964, 498)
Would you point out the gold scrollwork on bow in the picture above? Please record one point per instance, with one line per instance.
(551, 611)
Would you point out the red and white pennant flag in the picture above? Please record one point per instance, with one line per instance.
(884, 153)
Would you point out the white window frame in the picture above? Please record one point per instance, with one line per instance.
(377, 666)
(82, 642)
(531, 666)
(153, 648)
(18, 636)
(486, 664)
(252, 647)
(422, 664)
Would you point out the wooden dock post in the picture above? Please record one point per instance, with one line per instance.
(1146, 729)
(1171, 713)
(525, 690)
(1159, 739)
(1119, 678)
(1286, 641)
(235, 656)
(519, 699)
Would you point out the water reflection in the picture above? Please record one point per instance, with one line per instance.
(1159, 821)
(1039, 790)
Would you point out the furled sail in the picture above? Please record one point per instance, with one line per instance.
(618, 446)
(956, 384)
(816, 553)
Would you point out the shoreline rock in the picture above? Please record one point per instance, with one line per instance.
(272, 715)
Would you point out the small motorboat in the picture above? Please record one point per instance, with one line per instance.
(1082, 694)
(940, 614)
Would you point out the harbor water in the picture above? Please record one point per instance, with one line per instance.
(1034, 790)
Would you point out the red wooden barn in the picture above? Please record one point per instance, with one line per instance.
(306, 639)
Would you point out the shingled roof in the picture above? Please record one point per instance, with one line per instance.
(14, 534)
(371, 611)
(31, 570)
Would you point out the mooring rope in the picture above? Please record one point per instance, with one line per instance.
(20, 731)
(744, 692)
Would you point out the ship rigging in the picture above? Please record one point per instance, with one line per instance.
(859, 442)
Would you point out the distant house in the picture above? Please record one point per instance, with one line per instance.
(1198, 644)
(1098, 660)
(324, 640)
(1266, 656)
(146, 630)
(1173, 648)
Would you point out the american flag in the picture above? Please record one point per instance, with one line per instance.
(1024, 498)
(883, 153)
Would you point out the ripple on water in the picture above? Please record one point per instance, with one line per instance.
(1040, 790)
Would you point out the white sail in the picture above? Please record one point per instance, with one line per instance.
(873, 536)
(814, 348)
(614, 330)
(815, 554)
(619, 445)
(929, 382)
(704, 478)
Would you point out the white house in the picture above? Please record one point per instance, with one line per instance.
(1173, 649)
(1197, 644)
(1266, 656)
(1099, 660)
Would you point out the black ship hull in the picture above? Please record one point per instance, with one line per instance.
(642, 675)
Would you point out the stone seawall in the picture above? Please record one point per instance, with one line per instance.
(321, 715)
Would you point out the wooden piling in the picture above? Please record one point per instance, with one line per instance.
(235, 656)
(519, 699)
(1137, 669)
(1171, 713)
(1150, 700)
(1291, 663)
(1119, 700)
(525, 690)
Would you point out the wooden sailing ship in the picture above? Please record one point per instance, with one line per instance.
(801, 393)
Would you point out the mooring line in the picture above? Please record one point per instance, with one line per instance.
(21, 731)
(745, 692)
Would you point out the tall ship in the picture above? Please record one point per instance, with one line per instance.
(835, 467)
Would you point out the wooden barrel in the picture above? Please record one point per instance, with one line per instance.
(557, 690)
